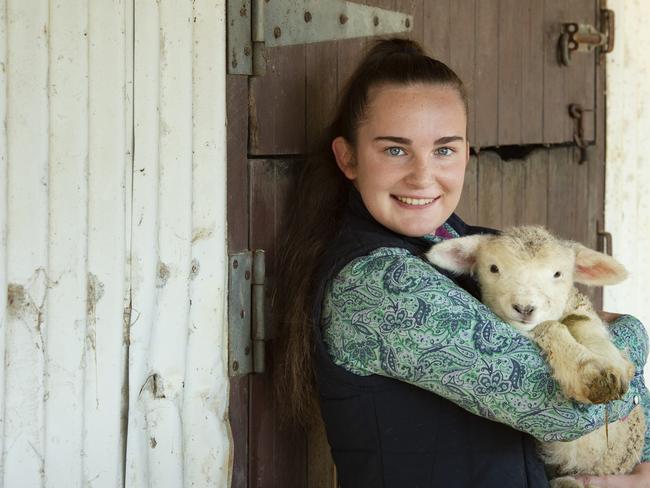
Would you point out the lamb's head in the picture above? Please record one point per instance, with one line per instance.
(526, 274)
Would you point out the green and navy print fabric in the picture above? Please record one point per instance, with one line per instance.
(391, 313)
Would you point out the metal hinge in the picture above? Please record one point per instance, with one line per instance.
(586, 38)
(254, 25)
(246, 329)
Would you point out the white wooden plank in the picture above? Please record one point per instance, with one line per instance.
(65, 333)
(144, 234)
(27, 219)
(4, 188)
(109, 164)
(206, 439)
(170, 325)
(627, 202)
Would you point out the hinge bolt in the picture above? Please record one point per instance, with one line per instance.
(247, 275)
(235, 365)
(307, 16)
(343, 18)
(407, 23)
(375, 21)
(277, 32)
(235, 264)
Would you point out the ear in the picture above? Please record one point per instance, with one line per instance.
(594, 268)
(456, 255)
(344, 154)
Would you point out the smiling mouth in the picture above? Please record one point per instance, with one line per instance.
(416, 202)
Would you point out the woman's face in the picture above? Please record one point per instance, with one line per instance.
(410, 157)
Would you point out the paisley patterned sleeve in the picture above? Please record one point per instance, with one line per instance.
(630, 334)
(390, 313)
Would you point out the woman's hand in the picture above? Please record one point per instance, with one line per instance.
(608, 317)
(639, 478)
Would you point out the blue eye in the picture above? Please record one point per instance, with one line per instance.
(395, 151)
(444, 151)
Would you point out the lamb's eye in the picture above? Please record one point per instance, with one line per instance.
(557, 274)
(494, 268)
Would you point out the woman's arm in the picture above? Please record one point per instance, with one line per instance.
(391, 313)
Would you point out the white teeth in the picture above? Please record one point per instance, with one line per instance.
(415, 201)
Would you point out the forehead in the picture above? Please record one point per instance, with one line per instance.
(540, 252)
(426, 105)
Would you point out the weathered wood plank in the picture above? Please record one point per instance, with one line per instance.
(489, 190)
(562, 193)
(486, 75)
(511, 30)
(532, 41)
(321, 80)
(277, 104)
(27, 129)
(556, 121)
(206, 441)
(462, 45)
(468, 207)
(535, 210)
(67, 254)
(237, 116)
(436, 33)
(513, 188)
(144, 260)
(110, 166)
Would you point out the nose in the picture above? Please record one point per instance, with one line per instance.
(422, 172)
(524, 311)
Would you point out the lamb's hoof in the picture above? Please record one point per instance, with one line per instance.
(566, 482)
(603, 384)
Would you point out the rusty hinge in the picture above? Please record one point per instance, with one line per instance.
(246, 326)
(254, 25)
(605, 239)
(585, 38)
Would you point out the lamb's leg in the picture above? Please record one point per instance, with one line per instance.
(582, 375)
(566, 482)
(592, 333)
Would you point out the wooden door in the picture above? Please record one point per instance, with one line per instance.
(525, 168)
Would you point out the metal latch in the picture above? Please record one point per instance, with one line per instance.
(585, 38)
(246, 328)
(254, 25)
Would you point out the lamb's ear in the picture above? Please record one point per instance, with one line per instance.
(594, 268)
(457, 255)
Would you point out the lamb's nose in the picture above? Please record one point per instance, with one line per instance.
(525, 311)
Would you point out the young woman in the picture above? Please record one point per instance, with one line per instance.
(418, 383)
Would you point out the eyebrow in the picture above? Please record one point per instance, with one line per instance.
(404, 140)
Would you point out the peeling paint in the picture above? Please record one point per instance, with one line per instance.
(16, 300)
(194, 269)
(163, 274)
(201, 233)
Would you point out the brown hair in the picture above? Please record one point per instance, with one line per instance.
(316, 210)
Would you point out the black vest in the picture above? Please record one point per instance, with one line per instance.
(385, 433)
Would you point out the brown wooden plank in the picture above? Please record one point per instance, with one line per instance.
(581, 73)
(436, 32)
(510, 63)
(561, 192)
(277, 104)
(237, 215)
(556, 123)
(532, 75)
(596, 180)
(237, 174)
(291, 464)
(349, 52)
(513, 185)
(321, 89)
(489, 190)
(262, 235)
(468, 207)
(535, 203)
(486, 74)
(462, 44)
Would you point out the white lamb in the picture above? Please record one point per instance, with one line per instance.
(527, 278)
